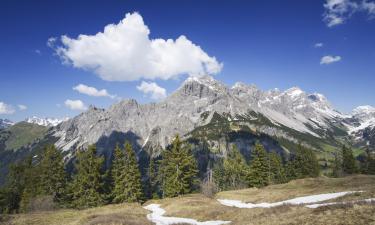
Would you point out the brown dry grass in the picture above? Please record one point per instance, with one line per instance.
(202, 208)
(121, 214)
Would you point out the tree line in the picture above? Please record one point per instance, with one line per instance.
(46, 180)
(264, 168)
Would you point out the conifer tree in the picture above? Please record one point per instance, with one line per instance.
(87, 185)
(30, 184)
(152, 179)
(126, 176)
(337, 166)
(178, 170)
(52, 174)
(276, 169)
(303, 163)
(368, 164)
(235, 169)
(259, 167)
(118, 174)
(349, 165)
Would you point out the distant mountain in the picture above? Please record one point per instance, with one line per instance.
(5, 123)
(206, 109)
(211, 117)
(361, 125)
(48, 122)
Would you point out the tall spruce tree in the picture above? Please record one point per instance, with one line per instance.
(14, 196)
(303, 163)
(259, 167)
(152, 179)
(87, 185)
(337, 166)
(178, 170)
(235, 169)
(276, 169)
(126, 176)
(52, 174)
(349, 165)
(368, 164)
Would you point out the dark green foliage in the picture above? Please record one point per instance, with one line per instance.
(337, 166)
(368, 164)
(259, 167)
(235, 170)
(126, 176)
(10, 195)
(32, 178)
(276, 169)
(302, 164)
(87, 186)
(178, 170)
(152, 180)
(52, 176)
(349, 165)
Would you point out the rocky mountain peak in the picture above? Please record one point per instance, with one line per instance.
(204, 86)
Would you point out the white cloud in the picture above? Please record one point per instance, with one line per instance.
(6, 109)
(91, 91)
(22, 107)
(338, 11)
(153, 89)
(318, 45)
(37, 51)
(328, 59)
(369, 7)
(75, 104)
(125, 52)
(51, 42)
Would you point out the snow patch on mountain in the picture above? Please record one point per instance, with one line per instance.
(5, 123)
(48, 122)
(294, 201)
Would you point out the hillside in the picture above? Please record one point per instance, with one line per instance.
(201, 208)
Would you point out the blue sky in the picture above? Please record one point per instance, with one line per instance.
(268, 43)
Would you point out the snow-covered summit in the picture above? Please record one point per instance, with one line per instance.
(48, 122)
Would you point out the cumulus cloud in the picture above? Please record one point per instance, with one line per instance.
(328, 59)
(125, 52)
(318, 45)
(75, 104)
(6, 109)
(22, 107)
(338, 11)
(91, 91)
(155, 91)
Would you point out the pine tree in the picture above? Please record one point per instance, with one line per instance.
(152, 179)
(24, 181)
(368, 164)
(126, 176)
(259, 167)
(87, 185)
(303, 163)
(276, 169)
(337, 166)
(52, 174)
(235, 169)
(14, 189)
(178, 170)
(349, 165)
(118, 174)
